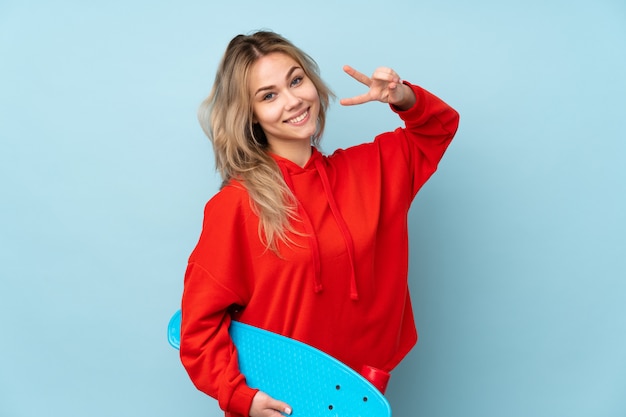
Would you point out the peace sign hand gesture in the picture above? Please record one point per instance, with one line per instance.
(384, 86)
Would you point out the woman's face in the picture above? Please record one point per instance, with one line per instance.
(285, 102)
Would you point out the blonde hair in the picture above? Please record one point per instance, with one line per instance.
(240, 145)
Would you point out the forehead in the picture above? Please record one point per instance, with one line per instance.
(271, 69)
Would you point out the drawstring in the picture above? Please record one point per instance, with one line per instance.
(308, 226)
(343, 227)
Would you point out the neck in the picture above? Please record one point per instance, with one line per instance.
(296, 151)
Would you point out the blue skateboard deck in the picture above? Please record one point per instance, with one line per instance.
(312, 382)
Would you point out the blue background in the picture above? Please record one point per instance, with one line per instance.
(518, 242)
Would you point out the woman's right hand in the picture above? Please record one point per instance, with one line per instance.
(265, 406)
(384, 85)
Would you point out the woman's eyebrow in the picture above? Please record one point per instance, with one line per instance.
(272, 87)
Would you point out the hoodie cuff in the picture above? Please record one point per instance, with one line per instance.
(241, 401)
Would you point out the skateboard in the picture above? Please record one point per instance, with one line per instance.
(312, 382)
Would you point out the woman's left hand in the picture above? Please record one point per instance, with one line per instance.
(384, 86)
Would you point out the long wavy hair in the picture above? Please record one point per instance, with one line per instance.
(240, 145)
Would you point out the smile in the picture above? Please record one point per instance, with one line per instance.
(299, 118)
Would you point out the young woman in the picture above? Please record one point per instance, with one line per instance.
(310, 246)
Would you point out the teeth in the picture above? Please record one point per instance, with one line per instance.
(299, 118)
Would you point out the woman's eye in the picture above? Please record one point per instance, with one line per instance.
(268, 96)
(296, 81)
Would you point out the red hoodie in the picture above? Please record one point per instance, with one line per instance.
(341, 286)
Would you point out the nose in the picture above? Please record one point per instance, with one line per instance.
(292, 100)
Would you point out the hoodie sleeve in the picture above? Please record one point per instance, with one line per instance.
(214, 283)
(430, 126)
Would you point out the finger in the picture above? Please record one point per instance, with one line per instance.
(265, 406)
(395, 93)
(363, 98)
(394, 87)
(386, 74)
(281, 406)
(360, 77)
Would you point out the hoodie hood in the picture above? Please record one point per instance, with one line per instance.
(318, 164)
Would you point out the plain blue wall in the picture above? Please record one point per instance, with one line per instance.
(518, 242)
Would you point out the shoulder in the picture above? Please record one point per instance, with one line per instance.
(230, 207)
(228, 220)
(231, 196)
